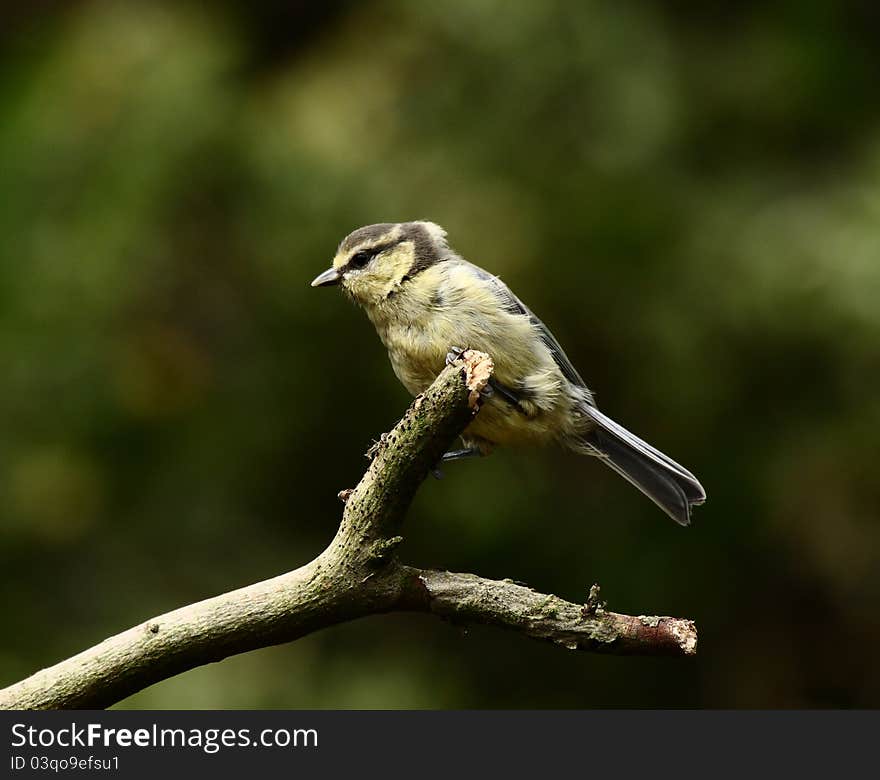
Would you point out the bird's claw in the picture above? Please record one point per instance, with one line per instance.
(454, 354)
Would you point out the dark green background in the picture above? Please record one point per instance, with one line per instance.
(691, 202)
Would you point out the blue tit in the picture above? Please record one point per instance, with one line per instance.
(425, 300)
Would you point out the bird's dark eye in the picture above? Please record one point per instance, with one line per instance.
(360, 259)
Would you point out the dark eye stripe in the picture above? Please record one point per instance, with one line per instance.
(363, 257)
(360, 259)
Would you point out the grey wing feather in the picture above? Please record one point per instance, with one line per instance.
(516, 306)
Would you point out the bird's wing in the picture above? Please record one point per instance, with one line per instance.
(515, 306)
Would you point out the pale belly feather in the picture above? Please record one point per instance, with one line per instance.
(418, 355)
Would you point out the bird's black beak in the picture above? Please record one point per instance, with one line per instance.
(330, 276)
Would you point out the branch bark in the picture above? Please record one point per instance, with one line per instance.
(358, 574)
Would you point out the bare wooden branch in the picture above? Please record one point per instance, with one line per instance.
(466, 598)
(357, 575)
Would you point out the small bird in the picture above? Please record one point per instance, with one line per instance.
(426, 302)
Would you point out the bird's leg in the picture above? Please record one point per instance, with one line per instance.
(466, 452)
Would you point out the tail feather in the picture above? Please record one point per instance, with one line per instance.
(668, 484)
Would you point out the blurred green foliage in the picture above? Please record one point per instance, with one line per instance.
(690, 199)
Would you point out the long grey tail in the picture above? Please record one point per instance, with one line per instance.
(669, 485)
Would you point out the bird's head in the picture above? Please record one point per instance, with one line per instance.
(373, 262)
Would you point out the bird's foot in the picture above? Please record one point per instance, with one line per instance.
(454, 354)
(466, 452)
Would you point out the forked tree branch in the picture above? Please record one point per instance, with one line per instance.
(358, 574)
